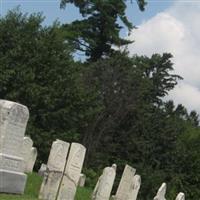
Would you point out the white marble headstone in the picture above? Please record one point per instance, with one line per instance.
(180, 196)
(81, 182)
(161, 192)
(31, 160)
(135, 187)
(126, 183)
(54, 172)
(104, 185)
(13, 121)
(72, 172)
(26, 151)
(42, 170)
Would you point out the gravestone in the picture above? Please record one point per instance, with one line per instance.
(126, 183)
(180, 196)
(31, 160)
(104, 185)
(54, 172)
(135, 187)
(42, 170)
(26, 151)
(81, 182)
(161, 192)
(13, 121)
(72, 172)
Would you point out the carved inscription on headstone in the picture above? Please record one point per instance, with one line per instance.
(72, 172)
(54, 171)
(13, 121)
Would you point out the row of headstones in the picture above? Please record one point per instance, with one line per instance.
(62, 175)
(63, 168)
(17, 155)
(128, 187)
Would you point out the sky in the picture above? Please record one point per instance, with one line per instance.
(165, 26)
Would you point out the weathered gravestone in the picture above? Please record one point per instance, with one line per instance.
(31, 160)
(180, 196)
(72, 172)
(54, 172)
(26, 151)
(104, 185)
(135, 187)
(81, 182)
(126, 184)
(13, 121)
(161, 192)
(42, 170)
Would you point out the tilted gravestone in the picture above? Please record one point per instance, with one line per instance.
(135, 187)
(81, 182)
(13, 121)
(161, 192)
(31, 160)
(125, 186)
(26, 151)
(104, 185)
(54, 172)
(180, 196)
(72, 172)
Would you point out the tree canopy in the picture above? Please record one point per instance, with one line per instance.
(99, 30)
(113, 105)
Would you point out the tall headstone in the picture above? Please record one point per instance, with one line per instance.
(81, 182)
(180, 196)
(54, 172)
(26, 151)
(72, 172)
(31, 160)
(13, 121)
(104, 185)
(161, 192)
(126, 184)
(135, 187)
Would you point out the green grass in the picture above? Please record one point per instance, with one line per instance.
(32, 189)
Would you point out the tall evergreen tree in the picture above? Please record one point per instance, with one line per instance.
(99, 29)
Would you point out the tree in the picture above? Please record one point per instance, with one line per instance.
(99, 29)
(37, 70)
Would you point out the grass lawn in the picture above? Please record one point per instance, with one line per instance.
(32, 189)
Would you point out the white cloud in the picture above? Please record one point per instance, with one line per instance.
(175, 30)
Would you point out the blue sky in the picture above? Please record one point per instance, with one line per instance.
(166, 26)
(52, 11)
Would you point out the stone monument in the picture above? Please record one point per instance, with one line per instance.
(31, 160)
(180, 196)
(161, 192)
(104, 185)
(26, 151)
(13, 121)
(126, 184)
(42, 170)
(81, 182)
(54, 171)
(135, 187)
(72, 172)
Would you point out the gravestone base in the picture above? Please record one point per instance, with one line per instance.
(12, 182)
